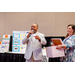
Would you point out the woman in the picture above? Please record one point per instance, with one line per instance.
(69, 44)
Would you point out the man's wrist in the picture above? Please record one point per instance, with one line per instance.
(39, 40)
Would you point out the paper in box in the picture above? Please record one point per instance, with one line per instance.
(57, 41)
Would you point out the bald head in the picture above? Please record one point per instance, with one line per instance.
(34, 27)
(35, 24)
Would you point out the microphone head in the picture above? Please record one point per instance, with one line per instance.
(32, 30)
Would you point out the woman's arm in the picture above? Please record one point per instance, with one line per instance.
(69, 44)
(61, 46)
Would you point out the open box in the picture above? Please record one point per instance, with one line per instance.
(51, 51)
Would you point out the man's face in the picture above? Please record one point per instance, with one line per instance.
(34, 27)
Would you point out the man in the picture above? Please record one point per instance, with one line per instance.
(34, 41)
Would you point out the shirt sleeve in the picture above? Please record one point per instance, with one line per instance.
(43, 40)
(25, 40)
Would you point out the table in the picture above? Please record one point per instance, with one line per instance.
(15, 57)
(54, 59)
(11, 57)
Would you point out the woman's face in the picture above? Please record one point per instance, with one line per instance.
(69, 30)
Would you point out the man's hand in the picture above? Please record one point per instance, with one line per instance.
(31, 32)
(38, 38)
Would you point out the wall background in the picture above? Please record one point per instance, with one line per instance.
(50, 23)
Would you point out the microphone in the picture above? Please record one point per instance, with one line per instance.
(31, 34)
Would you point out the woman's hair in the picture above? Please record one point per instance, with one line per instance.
(73, 27)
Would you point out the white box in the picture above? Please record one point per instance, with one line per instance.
(51, 51)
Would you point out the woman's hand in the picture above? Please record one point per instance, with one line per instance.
(61, 46)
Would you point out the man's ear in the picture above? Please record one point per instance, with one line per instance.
(73, 30)
(37, 27)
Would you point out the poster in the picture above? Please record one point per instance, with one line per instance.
(16, 41)
(22, 35)
(0, 46)
(18, 36)
(5, 43)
